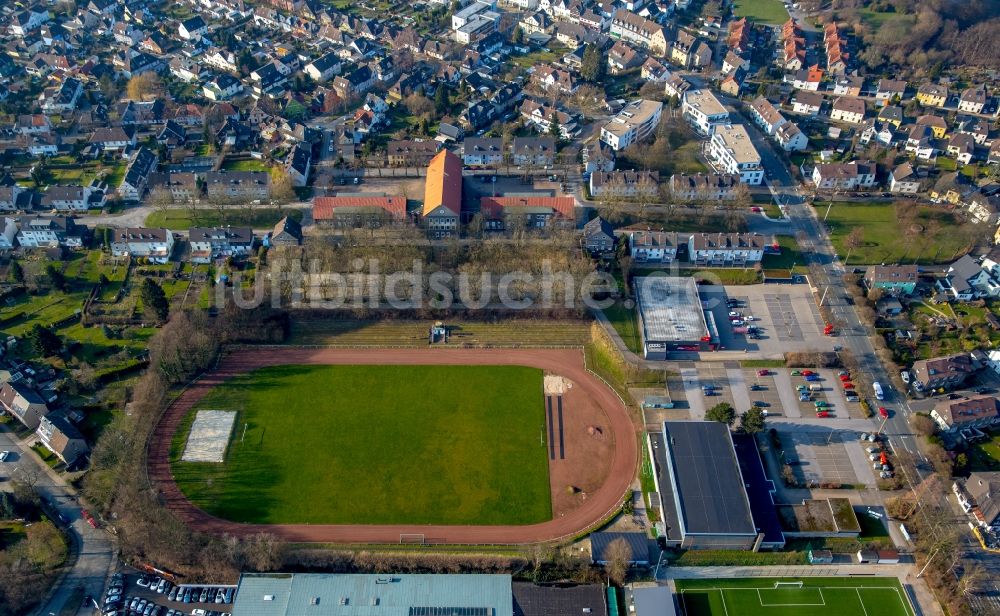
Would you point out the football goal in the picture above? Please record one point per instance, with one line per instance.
(788, 584)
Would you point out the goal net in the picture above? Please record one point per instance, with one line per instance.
(417, 538)
(788, 584)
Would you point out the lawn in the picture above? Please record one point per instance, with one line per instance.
(377, 445)
(985, 456)
(246, 164)
(819, 596)
(761, 11)
(788, 259)
(626, 324)
(178, 219)
(936, 237)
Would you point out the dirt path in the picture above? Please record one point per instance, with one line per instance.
(567, 363)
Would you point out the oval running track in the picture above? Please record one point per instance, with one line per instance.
(567, 363)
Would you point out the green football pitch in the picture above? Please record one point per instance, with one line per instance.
(376, 445)
(825, 596)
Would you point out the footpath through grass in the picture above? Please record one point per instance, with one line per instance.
(819, 596)
(377, 445)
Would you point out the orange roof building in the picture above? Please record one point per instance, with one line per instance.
(443, 189)
(494, 207)
(329, 208)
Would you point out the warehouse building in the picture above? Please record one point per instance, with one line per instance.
(672, 318)
(703, 497)
(287, 594)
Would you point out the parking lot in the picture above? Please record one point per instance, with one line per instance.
(786, 316)
(139, 594)
(821, 455)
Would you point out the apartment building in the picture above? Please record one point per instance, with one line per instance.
(208, 244)
(726, 249)
(632, 28)
(635, 122)
(705, 187)
(655, 246)
(733, 152)
(703, 111)
(844, 176)
(153, 244)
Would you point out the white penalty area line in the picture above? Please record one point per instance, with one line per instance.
(821, 598)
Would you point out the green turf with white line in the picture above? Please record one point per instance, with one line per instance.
(821, 596)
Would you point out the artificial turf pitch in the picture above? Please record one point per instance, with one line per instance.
(820, 596)
(376, 445)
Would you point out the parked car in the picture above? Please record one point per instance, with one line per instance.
(756, 387)
(796, 373)
(905, 375)
(762, 372)
(822, 414)
(883, 412)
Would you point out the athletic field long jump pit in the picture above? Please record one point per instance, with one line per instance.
(456, 446)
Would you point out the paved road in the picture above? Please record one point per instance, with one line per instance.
(95, 549)
(826, 273)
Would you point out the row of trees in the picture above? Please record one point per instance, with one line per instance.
(752, 420)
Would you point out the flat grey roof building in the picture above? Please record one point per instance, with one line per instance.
(313, 594)
(706, 486)
(671, 315)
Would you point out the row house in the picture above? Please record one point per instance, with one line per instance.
(23, 403)
(623, 57)
(624, 184)
(904, 180)
(483, 152)
(738, 37)
(836, 49)
(655, 246)
(850, 110)
(848, 85)
(890, 91)
(154, 244)
(791, 138)
(980, 412)
(932, 95)
(533, 151)
(806, 79)
(726, 249)
(72, 198)
(807, 103)
(182, 187)
(947, 372)
(793, 56)
(855, 175)
(705, 187)
(50, 231)
(133, 186)
(973, 99)
(62, 438)
(411, 152)
(208, 244)
(647, 34)
(732, 152)
(231, 186)
(766, 116)
(541, 116)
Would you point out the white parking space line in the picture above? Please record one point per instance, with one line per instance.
(738, 387)
(789, 401)
(692, 391)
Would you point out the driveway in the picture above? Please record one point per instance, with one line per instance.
(94, 549)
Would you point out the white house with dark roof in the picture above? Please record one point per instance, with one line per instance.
(153, 244)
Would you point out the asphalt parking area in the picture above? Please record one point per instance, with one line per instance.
(821, 457)
(767, 391)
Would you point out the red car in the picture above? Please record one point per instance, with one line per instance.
(845, 377)
(755, 209)
(822, 414)
(848, 385)
(808, 373)
(762, 372)
(883, 412)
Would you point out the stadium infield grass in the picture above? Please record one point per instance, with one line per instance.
(819, 596)
(376, 445)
